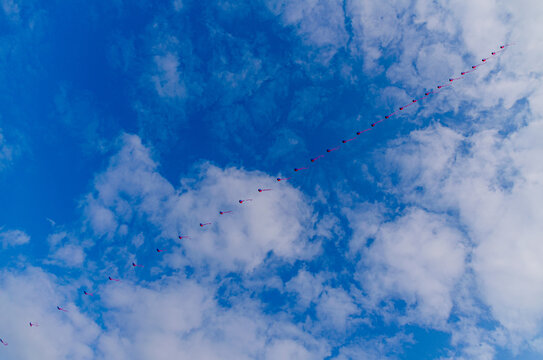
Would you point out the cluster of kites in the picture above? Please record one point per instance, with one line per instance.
(313, 160)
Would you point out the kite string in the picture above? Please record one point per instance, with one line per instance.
(414, 101)
(451, 80)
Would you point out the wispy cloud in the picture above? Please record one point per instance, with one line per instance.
(10, 238)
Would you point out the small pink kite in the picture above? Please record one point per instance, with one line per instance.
(112, 279)
(61, 309)
(316, 158)
(363, 131)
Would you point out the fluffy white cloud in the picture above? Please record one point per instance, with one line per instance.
(171, 317)
(129, 188)
(496, 189)
(69, 255)
(13, 238)
(277, 222)
(490, 180)
(335, 307)
(32, 296)
(417, 257)
(431, 41)
(307, 286)
(180, 318)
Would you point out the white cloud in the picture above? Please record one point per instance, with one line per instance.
(172, 307)
(376, 26)
(307, 286)
(335, 308)
(422, 158)
(33, 295)
(418, 257)
(287, 349)
(431, 41)
(66, 249)
(10, 238)
(319, 23)
(496, 189)
(130, 187)
(69, 255)
(277, 222)
(102, 220)
(180, 318)
(383, 347)
(6, 152)
(11, 9)
(170, 317)
(167, 79)
(178, 5)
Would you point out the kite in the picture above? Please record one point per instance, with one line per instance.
(61, 309)
(316, 158)
(33, 324)
(3, 342)
(88, 294)
(134, 265)
(112, 279)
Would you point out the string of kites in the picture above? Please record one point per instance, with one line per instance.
(313, 160)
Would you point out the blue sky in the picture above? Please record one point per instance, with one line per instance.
(126, 124)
